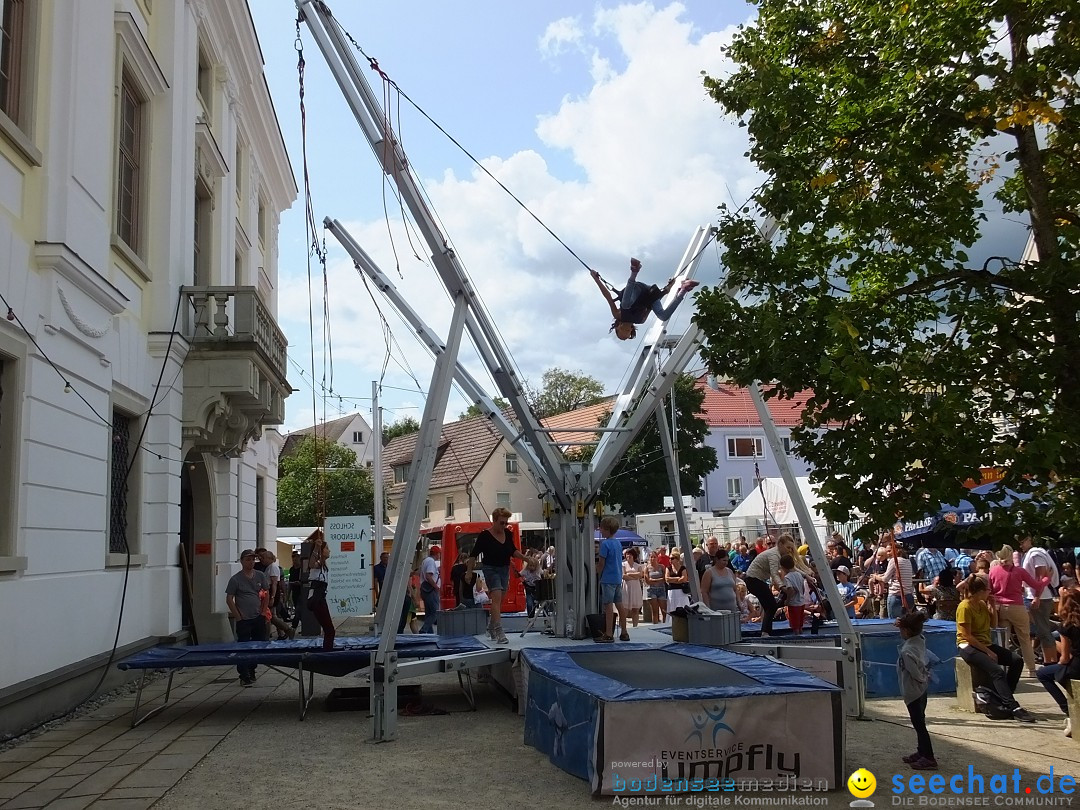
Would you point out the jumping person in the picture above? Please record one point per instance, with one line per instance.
(636, 300)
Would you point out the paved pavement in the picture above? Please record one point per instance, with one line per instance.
(223, 746)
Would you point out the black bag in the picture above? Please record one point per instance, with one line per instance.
(594, 624)
(685, 587)
(988, 702)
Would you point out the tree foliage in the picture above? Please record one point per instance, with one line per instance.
(889, 134)
(561, 391)
(639, 481)
(402, 427)
(349, 490)
(476, 410)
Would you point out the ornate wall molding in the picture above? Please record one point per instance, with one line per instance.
(80, 324)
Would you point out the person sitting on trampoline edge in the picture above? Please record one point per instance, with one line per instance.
(636, 300)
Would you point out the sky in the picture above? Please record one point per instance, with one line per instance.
(593, 114)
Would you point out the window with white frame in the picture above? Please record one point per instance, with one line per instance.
(789, 445)
(130, 159)
(502, 499)
(427, 508)
(123, 475)
(262, 224)
(745, 447)
(203, 254)
(734, 490)
(14, 61)
(9, 399)
(204, 82)
(401, 472)
(358, 437)
(449, 507)
(511, 464)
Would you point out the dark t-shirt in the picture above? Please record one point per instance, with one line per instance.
(491, 552)
(1073, 634)
(839, 560)
(380, 572)
(462, 590)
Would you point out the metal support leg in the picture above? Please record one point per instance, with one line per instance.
(135, 719)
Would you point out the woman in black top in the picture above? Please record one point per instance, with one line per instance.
(1056, 676)
(496, 547)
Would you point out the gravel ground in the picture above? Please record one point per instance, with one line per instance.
(477, 760)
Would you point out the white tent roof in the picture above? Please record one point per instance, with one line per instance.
(770, 501)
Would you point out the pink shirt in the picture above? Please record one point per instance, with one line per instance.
(1007, 584)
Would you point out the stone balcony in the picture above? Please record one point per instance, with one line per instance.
(235, 379)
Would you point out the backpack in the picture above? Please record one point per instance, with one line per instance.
(988, 702)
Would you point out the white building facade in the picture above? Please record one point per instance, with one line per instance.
(142, 175)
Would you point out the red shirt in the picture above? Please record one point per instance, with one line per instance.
(663, 559)
(1007, 584)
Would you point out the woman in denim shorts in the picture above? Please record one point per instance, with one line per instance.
(495, 549)
(656, 588)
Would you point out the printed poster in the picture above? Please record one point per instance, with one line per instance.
(349, 539)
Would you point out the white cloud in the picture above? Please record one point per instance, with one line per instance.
(561, 35)
(652, 157)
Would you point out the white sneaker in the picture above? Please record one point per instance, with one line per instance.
(1068, 726)
(500, 636)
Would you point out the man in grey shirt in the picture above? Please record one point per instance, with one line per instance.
(243, 595)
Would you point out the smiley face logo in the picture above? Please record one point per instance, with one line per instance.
(861, 783)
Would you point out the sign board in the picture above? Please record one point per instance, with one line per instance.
(349, 539)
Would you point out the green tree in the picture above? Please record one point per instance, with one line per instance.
(402, 427)
(349, 489)
(475, 410)
(639, 481)
(889, 134)
(561, 391)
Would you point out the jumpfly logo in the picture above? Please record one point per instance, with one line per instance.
(701, 724)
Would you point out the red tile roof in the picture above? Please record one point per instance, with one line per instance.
(464, 448)
(731, 406)
(586, 417)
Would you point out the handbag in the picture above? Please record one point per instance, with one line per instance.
(684, 587)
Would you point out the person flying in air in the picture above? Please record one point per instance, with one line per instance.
(636, 300)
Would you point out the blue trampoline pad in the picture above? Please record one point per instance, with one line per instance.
(660, 669)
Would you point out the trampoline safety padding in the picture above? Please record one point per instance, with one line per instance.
(636, 719)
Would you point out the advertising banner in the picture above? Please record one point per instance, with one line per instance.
(710, 746)
(349, 539)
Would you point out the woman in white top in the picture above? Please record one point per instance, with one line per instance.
(898, 576)
(319, 579)
(632, 591)
(678, 582)
(764, 573)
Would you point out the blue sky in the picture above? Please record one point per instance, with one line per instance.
(593, 114)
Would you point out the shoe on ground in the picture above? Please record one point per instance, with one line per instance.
(912, 757)
(1068, 727)
(624, 637)
(247, 681)
(1023, 715)
(924, 764)
(605, 639)
(502, 639)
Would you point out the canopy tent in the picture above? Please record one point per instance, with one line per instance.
(627, 537)
(961, 524)
(771, 503)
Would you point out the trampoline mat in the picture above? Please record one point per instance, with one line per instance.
(659, 669)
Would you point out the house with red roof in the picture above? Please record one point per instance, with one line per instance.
(743, 453)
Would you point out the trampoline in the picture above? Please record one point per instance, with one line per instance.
(635, 719)
(302, 655)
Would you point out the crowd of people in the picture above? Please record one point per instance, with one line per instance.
(1029, 593)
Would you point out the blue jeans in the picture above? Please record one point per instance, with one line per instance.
(1046, 676)
(635, 289)
(530, 600)
(430, 595)
(497, 578)
(610, 593)
(250, 630)
(898, 604)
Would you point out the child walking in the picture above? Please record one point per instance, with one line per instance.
(914, 678)
(795, 590)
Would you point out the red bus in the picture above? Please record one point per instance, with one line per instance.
(454, 537)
